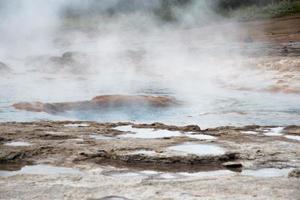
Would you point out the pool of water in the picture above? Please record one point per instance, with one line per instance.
(246, 109)
(157, 175)
(293, 137)
(274, 131)
(205, 101)
(18, 144)
(101, 137)
(40, 170)
(148, 133)
(267, 172)
(198, 149)
(145, 133)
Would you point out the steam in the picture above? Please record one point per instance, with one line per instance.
(71, 50)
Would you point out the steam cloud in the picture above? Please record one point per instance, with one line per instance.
(71, 50)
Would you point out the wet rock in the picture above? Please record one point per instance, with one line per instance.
(292, 130)
(111, 198)
(69, 62)
(157, 125)
(33, 107)
(4, 69)
(75, 62)
(236, 166)
(191, 128)
(99, 103)
(295, 173)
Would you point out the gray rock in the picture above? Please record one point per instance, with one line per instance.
(295, 173)
(4, 68)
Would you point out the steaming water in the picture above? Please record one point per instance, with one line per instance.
(235, 108)
(136, 54)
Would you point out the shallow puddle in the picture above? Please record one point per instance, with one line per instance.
(293, 137)
(18, 144)
(101, 137)
(40, 170)
(113, 198)
(145, 133)
(274, 131)
(201, 137)
(168, 175)
(143, 152)
(216, 173)
(262, 173)
(77, 140)
(77, 125)
(267, 172)
(249, 132)
(198, 149)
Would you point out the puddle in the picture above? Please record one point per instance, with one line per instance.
(77, 125)
(101, 137)
(129, 173)
(40, 170)
(18, 144)
(274, 131)
(267, 172)
(198, 149)
(77, 140)
(127, 128)
(125, 174)
(249, 132)
(216, 173)
(168, 175)
(262, 173)
(293, 137)
(143, 152)
(113, 198)
(201, 137)
(145, 133)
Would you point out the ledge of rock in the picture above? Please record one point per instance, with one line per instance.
(99, 103)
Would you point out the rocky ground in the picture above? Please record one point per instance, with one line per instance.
(138, 161)
(89, 160)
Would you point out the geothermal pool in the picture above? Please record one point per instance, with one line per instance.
(224, 107)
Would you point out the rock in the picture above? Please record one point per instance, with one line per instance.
(111, 198)
(69, 62)
(295, 173)
(75, 62)
(191, 128)
(99, 103)
(33, 107)
(157, 125)
(4, 68)
(235, 166)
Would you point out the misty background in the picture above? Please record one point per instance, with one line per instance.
(71, 50)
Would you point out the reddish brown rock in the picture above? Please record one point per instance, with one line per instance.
(98, 103)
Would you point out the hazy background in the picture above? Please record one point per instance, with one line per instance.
(71, 50)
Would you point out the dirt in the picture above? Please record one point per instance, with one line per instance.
(68, 144)
(275, 30)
